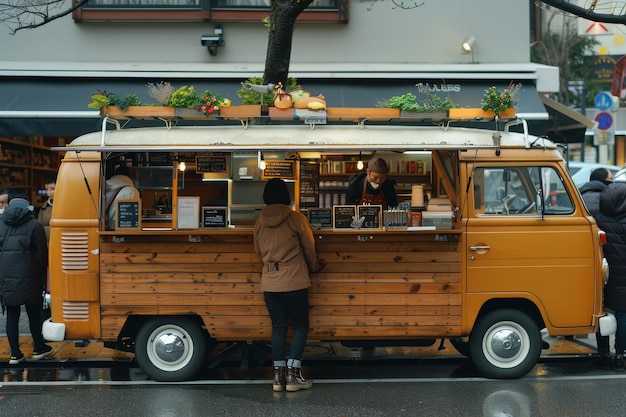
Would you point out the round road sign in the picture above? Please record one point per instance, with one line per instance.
(603, 101)
(605, 120)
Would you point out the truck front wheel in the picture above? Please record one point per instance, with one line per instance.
(170, 349)
(505, 344)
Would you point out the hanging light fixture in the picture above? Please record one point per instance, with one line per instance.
(359, 164)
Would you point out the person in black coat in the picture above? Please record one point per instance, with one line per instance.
(372, 186)
(590, 191)
(23, 266)
(612, 219)
(599, 179)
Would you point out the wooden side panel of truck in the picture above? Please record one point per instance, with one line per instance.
(385, 285)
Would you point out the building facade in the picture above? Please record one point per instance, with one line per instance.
(355, 53)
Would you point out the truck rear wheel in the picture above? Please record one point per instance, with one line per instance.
(505, 344)
(170, 349)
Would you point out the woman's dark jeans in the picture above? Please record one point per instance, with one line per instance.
(283, 306)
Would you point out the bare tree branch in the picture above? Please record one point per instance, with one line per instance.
(590, 13)
(30, 14)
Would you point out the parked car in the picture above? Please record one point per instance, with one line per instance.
(580, 171)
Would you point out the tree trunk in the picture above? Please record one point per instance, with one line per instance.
(283, 15)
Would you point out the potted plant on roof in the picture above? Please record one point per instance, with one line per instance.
(120, 107)
(432, 107)
(184, 102)
(493, 104)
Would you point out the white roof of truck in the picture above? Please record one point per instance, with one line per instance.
(301, 138)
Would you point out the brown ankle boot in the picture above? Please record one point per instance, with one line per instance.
(295, 380)
(279, 378)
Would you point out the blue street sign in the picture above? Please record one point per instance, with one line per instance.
(603, 101)
(605, 120)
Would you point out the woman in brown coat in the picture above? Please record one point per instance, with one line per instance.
(284, 242)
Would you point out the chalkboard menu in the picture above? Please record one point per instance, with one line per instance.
(343, 216)
(216, 165)
(279, 169)
(127, 214)
(214, 217)
(371, 215)
(320, 218)
(309, 184)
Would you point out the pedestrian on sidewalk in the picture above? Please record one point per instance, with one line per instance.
(612, 219)
(599, 179)
(23, 266)
(284, 242)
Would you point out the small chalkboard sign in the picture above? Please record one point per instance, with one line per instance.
(217, 166)
(127, 214)
(343, 216)
(284, 169)
(371, 215)
(321, 218)
(188, 212)
(214, 217)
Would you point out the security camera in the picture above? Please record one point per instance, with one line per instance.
(214, 40)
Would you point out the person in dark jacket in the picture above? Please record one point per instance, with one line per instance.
(599, 179)
(284, 242)
(612, 219)
(590, 191)
(23, 265)
(372, 186)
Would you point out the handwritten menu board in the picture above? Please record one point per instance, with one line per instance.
(279, 169)
(214, 217)
(343, 216)
(216, 165)
(188, 212)
(128, 214)
(371, 215)
(321, 218)
(309, 184)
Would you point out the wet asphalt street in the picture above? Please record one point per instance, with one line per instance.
(437, 387)
(380, 384)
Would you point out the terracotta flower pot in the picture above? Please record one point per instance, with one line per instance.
(138, 112)
(478, 113)
(359, 113)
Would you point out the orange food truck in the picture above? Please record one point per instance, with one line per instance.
(490, 244)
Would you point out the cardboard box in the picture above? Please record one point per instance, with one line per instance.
(439, 204)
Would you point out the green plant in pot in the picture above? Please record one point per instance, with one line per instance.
(432, 102)
(498, 101)
(103, 99)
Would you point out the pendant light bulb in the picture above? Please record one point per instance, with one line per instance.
(359, 164)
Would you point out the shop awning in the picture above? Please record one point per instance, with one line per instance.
(565, 125)
(45, 106)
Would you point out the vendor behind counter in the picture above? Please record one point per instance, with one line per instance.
(373, 186)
